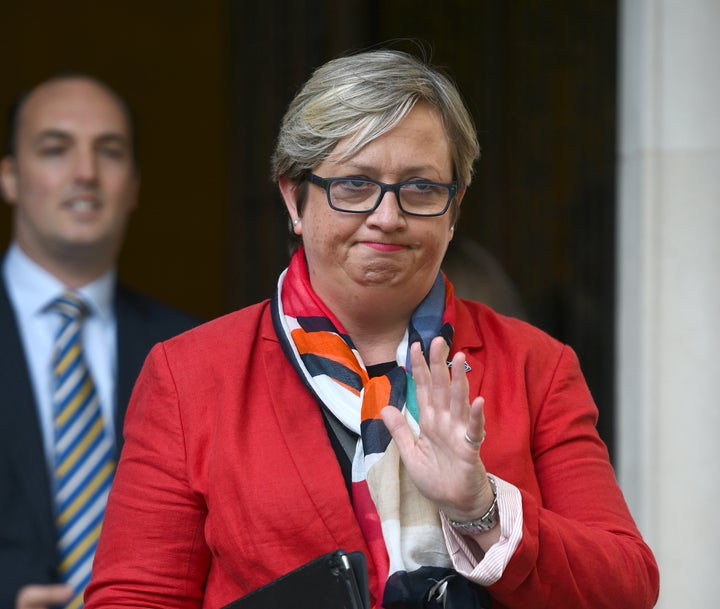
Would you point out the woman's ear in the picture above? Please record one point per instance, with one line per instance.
(455, 210)
(288, 190)
(460, 194)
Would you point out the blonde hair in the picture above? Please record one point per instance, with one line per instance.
(363, 96)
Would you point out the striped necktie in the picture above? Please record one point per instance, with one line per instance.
(84, 462)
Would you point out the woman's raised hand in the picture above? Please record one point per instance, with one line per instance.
(444, 460)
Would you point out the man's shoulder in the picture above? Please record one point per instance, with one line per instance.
(235, 337)
(137, 310)
(255, 319)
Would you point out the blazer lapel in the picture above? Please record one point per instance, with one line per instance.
(141, 323)
(20, 435)
(316, 462)
(130, 357)
(468, 339)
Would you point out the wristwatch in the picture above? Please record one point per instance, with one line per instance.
(486, 522)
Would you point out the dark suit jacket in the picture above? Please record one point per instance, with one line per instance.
(27, 532)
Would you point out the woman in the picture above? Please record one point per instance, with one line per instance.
(263, 439)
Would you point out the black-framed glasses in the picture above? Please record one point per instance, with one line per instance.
(362, 196)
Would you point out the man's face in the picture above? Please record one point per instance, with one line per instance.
(72, 181)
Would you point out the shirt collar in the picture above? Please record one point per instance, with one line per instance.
(36, 288)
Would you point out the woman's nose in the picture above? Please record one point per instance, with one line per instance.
(388, 213)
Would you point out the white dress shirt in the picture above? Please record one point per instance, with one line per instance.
(30, 290)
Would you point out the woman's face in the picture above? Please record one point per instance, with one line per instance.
(349, 254)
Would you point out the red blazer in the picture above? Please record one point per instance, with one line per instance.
(227, 479)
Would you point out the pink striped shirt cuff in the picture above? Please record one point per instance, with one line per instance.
(487, 569)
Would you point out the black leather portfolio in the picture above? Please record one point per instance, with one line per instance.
(337, 580)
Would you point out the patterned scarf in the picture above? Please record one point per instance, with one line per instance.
(401, 527)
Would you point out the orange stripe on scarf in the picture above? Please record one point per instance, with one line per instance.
(376, 397)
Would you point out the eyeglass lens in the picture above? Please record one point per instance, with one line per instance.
(420, 198)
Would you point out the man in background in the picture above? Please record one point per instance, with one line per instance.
(70, 337)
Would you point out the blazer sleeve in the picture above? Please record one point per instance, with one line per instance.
(152, 551)
(580, 547)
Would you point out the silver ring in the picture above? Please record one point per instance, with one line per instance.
(473, 443)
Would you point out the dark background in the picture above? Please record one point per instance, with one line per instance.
(210, 79)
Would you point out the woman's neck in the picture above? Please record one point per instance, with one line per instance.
(376, 335)
(377, 349)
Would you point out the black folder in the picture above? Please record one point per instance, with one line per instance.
(337, 580)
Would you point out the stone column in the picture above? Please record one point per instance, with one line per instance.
(668, 364)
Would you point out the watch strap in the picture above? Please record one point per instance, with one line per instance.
(483, 524)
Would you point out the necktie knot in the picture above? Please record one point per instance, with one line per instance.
(71, 306)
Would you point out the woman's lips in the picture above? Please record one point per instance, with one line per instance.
(384, 247)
